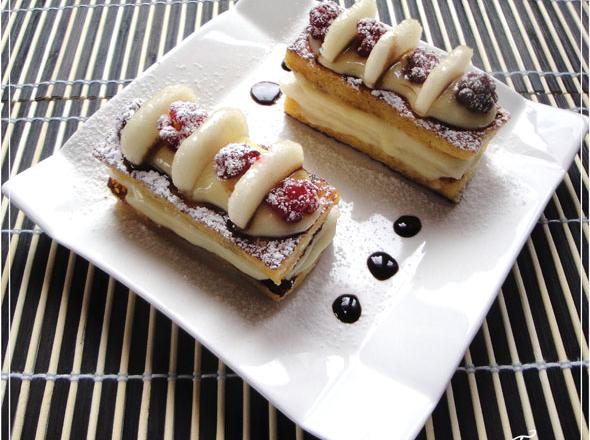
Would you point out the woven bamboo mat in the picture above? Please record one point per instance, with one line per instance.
(83, 356)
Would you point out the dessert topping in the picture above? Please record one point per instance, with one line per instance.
(233, 160)
(477, 92)
(419, 64)
(368, 32)
(293, 198)
(347, 308)
(382, 265)
(182, 120)
(321, 17)
(407, 226)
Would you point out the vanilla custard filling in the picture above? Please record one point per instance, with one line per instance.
(146, 204)
(325, 111)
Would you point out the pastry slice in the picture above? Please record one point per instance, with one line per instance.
(425, 115)
(200, 175)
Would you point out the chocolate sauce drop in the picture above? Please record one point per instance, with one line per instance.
(265, 92)
(407, 226)
(285, 67)
(382, 265)
(347, 308)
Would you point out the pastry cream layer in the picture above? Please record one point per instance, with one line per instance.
(210, 189)
(326, 111)
(145, 203)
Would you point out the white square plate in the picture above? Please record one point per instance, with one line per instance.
(382, 376)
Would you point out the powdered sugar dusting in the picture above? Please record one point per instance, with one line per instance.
(354, 82)
(301, 47)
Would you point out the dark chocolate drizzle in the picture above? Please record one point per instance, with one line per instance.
(347, 308)
(407, 226)
(382, 265)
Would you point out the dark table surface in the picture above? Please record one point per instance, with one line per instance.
(83, 356)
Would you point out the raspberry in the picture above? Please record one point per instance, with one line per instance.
(368, 32)
(126, 115)
(321, 17)
(182, 120)
(233, 160)
(419, 64)
(477, 92)
(293, 198)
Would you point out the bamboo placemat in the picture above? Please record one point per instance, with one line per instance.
(84, 357)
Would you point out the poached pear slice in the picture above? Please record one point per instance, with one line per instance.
(389, 48)
(343, 29)
(280, 161)
(449, 69)
(141, 131)
(223, 127)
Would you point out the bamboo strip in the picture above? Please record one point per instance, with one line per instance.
(195, 410)
(246, 412)
(43, 419)
(119, 413)
(479, 419)
(272, 422)
(171, 382)
(501, 403)
(220, 424)
(144, 410)
(102, 352)
(455, 430)
(78, 352)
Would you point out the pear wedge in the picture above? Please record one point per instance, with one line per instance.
(141, 131)
(390, 47)
(343, 29)
(451, 68)
(280, 161)
(223, 127)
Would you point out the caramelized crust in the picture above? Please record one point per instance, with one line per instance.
(390, 107)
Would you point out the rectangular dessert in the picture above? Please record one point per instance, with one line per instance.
(372, 87)
(202, 178)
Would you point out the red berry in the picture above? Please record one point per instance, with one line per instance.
(419, 64)
(182, 120)
(292, 199)
(477, 92)
(233, 160)
(368, 32)
(321, 17)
